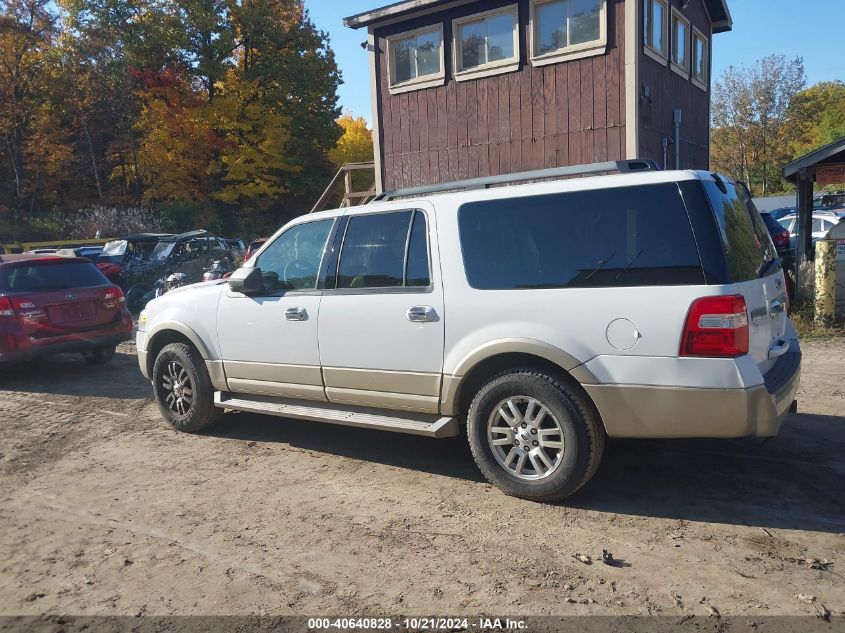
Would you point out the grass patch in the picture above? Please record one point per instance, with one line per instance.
(808, 329)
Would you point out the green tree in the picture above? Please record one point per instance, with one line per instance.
(752, 131)
(819, 115)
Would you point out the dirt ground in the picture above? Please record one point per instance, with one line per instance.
(104, 510)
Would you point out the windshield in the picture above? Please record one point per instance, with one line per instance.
(50, 275)
(113, 252)
(161, 251)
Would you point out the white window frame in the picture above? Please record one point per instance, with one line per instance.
(656, 54)
(578, 51)
(488, 68)
(683, 71)
(417, 83)
(701, 83)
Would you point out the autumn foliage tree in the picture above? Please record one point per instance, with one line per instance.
(223, 108)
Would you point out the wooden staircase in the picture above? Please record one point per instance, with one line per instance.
(350, 197)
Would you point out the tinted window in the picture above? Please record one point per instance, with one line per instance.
(49, 276)
(626, 236)
(773, 225)
(748, 246)
(292, 261)
(416, 271)
(373, 254)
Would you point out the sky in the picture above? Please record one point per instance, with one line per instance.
(761, 27)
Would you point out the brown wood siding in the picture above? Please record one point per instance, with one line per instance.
(669, 91)
(532, 118)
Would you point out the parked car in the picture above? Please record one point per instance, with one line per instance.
(91, 253)
(190, 253)
(547, 316)
(52, 304)
(777, 214)
(236, 245)
(253, 247)
(778, 233)
(822, 223)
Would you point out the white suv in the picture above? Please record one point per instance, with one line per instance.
(537, 318)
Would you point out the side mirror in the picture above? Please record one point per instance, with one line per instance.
(246, 281)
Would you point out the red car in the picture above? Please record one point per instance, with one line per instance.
(253, 247)
(52, 305)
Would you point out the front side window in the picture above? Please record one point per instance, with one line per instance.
(680, 42)
(699, 59)
(292, 261)
(624, 236)
(567, 28)
(655, 17)
(486, 41)
(384, 250)
(416, 59)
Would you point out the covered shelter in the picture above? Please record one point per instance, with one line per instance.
(824, 166)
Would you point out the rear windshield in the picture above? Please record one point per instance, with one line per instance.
(771, 223)
(748, 246)
(624, 236)
(43, 276)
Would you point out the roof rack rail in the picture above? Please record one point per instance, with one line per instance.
(622, 166)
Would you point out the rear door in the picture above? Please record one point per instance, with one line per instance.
(753, 267)
(381, 317)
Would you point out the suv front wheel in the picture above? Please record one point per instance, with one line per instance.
(534, 436)
(183, 389)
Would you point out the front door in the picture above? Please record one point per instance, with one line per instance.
(268, 341)
(381, 317)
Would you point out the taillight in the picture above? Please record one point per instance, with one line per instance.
(717, 327)
(6, 307)
(26, 310)
(113, 298)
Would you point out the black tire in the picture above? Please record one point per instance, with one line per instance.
(99, 356)
(135, 296)
(582, 434)
(201, 412)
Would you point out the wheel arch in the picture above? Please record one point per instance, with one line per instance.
(477, 367)
(172, 332)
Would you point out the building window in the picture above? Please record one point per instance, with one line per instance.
(700, 59)
(567, 29)
(680, 44)
(415, 59)
(486, 43)
(655, 29)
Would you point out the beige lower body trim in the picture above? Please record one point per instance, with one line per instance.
(384, 399)
(270, 379)
(414, 383)
(276, 389)
(640, 411)
(216, 373)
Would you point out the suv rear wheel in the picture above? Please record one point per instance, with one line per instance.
(183, 389)
(534, 436)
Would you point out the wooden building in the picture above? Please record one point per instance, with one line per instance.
(466, 88)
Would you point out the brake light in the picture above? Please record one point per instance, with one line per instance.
(6, 307)
(113, 298)
(716, 327)
(26, 310)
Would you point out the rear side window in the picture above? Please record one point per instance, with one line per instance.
(385, 250)
(37, 277)
(625, 236)
(748, 246)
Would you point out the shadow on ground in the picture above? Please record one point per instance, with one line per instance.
(68, 374)
(791, 482)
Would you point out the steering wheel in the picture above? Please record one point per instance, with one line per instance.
(294, 268)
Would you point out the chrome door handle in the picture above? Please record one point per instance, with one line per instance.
(421, 314)
(296, 314)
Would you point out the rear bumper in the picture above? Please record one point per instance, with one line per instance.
(65, 346)
(645, 411)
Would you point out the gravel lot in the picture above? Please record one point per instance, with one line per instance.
(106, 511)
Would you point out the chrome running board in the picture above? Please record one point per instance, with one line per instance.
(429, 425)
